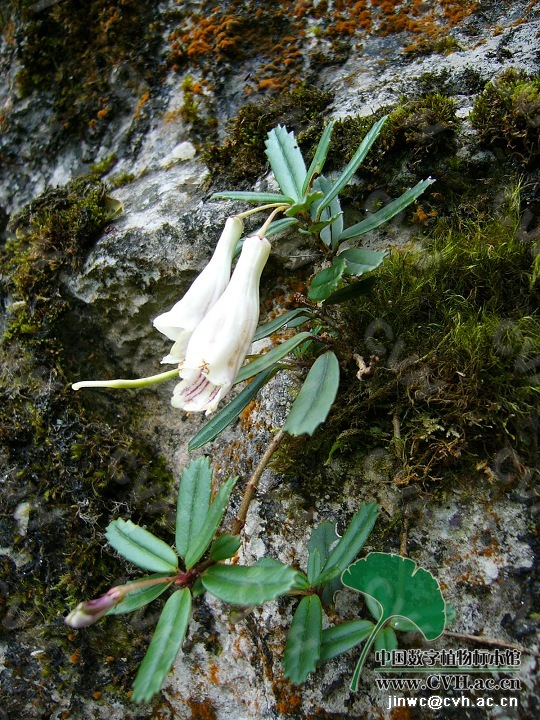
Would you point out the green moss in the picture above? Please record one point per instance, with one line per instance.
(506, 115)
(78, 460)
(241, 158)
(426, 46)
(416, 129)
(453, 333)
(72, 49)
(101, 168)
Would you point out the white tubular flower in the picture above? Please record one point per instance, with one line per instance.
(220, 342)
(179, 323)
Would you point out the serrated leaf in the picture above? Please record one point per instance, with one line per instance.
(387, 212)
(361, 260)
(224, 547)
(193, 502)
(302, 650)
(326, 281)
(354, 164)
(286, 161)
(140, 547)
(351, 291)
(141, 596)
(402, 589)
(353, 538)
(163, 649)
(270, 358)
(248, 585)
(277, 323)
(339, 639)
(316, 396)
(230, 412)
(199, 544)
(320, 156)
(254, 197)
(386, 640)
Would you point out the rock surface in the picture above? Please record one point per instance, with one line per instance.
(478, 540)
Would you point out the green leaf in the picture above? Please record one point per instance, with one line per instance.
(280, 225)
(402, 589)
(329, 235)
(277, 323)
(326, 281)
(230, 412)
(386, 640)
(354, 164)
(141, 547)
(270, 358)
(360, 260)
(255, 197)
(353, 538)
(286, 161)
(315, 398)
(163, 649)
(248, 585)
(113, 207)
(320, 156)
(225, 546)
(339, 639)
(303, 647)
(314, 566)
(194, 496)
(140, 597)
(199, 544)
(323, 538)
(351, 291)
(387, 212)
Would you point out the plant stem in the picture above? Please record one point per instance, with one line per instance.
(262, 231)
(247, 213)
(139, 382)
(251, 487)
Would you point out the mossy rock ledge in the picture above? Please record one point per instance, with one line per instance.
(152, 107)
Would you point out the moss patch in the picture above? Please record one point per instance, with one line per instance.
(75, 461)
(71, 49)
(507, 115)
(451, 337)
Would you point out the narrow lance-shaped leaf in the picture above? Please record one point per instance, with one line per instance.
(354, 164)
(286, 161)
(386, 640)
(402, 589)
(141, 596)
(277, 323)
(230, 412)
(200, 543)
(194, 496)
(387, 212)
(340, 638)
(323, 538)
(141, 547)
(163, 649)
(248, 585)
(254, 197)
(329, 235)
(315, 398)
(320, 156)
(303, 647)
(273, 356)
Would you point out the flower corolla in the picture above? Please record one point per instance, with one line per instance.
(219, 343)
(90, 611)
(181, 320)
